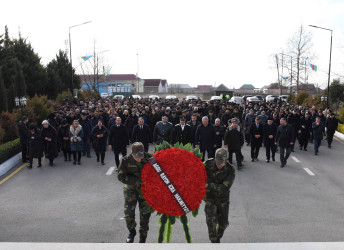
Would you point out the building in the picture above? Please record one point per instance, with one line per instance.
(203, 88)
(174, 88)
(113, 83)
(223, 90)
(155, 86)
(273, 89)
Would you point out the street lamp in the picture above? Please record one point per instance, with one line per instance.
(20, 102)
(70, 53)
(329, 67)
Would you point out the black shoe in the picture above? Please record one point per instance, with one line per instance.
(83, 154)
(305, 149)
(131, 236)
(241, 165)
(51, 164)
(29, 166)
(329, 146)
(97, 160)
(292, 150)
(79, 163)
(300, 148)
(103, 163)
(65, 159)
(142, 239)
(74, 162)
(267, 160)
(88, 156)
(39, 166)
(316, 153)
(273, 158)
(256, 159)
(239, 168)
(252, 159)
(69, 159)
(282, 165)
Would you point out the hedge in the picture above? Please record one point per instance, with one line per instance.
(9, 149)
(340, 128)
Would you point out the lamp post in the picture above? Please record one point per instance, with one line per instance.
(329, 67)
(70, 53)
(20, 102)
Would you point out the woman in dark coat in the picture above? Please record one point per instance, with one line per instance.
(35, 145)
(153, 118)
(76, 135)
(100, 134)
(64, 141)
(49, 136)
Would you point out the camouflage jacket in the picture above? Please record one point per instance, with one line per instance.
(219, 180)
(129, 170)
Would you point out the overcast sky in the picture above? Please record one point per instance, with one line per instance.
(183, 41)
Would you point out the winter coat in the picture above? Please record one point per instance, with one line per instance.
(219, 137)
(162, 132)
(193, 129)
(180, 135)
(23, 133)
(86, 126)
(331, 124)
(141, 135)
(35, 144)
(285, 135)
(118, 138)
(78, 134)
(267, 131)
(256, 131)
(318, 130)
(99, 144)
(205, 136)
(305, 127)
(234, 138)
(50, 147)
(62, 133)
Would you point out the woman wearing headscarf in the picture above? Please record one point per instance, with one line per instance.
(76, 143)
(35, 145)
(49, 137)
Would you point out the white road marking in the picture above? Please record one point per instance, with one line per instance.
(295, 159)
(110, 171)
(122, 218)
(309, 171)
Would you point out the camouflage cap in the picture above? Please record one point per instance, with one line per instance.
(235, 120)
(221, 154)
(137, 150)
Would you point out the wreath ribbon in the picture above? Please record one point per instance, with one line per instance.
(170, 186)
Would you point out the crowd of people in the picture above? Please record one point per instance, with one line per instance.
(218, 128)
(114, 124)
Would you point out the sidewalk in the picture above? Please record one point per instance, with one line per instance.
(339, 135)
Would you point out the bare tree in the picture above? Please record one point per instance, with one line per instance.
(300, 49)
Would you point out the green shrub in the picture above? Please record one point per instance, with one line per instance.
(8, 122)
(62, 96)
(341, 114)
(9, 149)
(301, 98)
(340, 128)
(38, 109)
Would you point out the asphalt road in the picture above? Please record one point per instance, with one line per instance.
(72, 203)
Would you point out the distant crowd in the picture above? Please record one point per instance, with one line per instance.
(114, 124)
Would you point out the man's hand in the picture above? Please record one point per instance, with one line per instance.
(257, 136)
(271, 136)
(217, 133)
(127, 146)
(299, 131)
(214, 145)
(276, 143)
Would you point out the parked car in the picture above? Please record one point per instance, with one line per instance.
(244, 97)
(153, 97)
(120, 97)
(252, 99)
(283, 98)
(215, 97)
(104, 95)
(236, 99)
(136, 97)
(260, 97)
(191, 97)
(271, 98)
(170, 97)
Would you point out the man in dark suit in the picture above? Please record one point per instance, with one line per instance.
(141, 133)
(205, 138)
(118, 139)
(193, 125)
(181, 132)
(285, 138)
(269, 131)
(256, 134)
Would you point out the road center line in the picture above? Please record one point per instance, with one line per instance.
(309, 171)
(110, 171)
(295, 159)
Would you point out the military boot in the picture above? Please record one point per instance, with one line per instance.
(131, 236)
(142, 239)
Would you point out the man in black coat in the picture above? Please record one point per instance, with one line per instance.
(331, 126)
(294, 121)
(118, 139)
(35, 145)
(285, 138)
(306, 129)
(162, 131)
(100, 134)
(219, 133)
(205, 138)
(193, 125)
(49, 137)
(131, 121)
(318, 134)
(23, 135)
(234, 140)
(181, 132)
(269, 131)
(141, 133)
(174, 118)
(256, 137)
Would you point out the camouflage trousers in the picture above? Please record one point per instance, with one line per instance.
(216, 212)
(131, 198)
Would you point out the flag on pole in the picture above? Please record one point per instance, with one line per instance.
(313, 67)
(85, 58)
(284, 77)
(107, 73)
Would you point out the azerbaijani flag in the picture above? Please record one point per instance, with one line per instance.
(313, 67)
(85, 58)
(107, 73)
(284, 77)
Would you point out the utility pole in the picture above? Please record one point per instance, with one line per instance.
(278, 74)
(137, 73)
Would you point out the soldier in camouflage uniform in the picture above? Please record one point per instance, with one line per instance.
(220, 177)
(129, 172)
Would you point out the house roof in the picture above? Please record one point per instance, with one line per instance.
(222, 88)
(179, 86)
(163, 83)
(111, 77)
(275, 86)
(247, 86)
(152, 82)
(204, 87)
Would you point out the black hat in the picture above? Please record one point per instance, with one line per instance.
(174, 112)
(270, 118)
(182, 118)
(32, 126)
(64, 121)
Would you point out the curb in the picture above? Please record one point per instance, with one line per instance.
(339, 135)
(10, 163)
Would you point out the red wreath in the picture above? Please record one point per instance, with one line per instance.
(187, 173)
